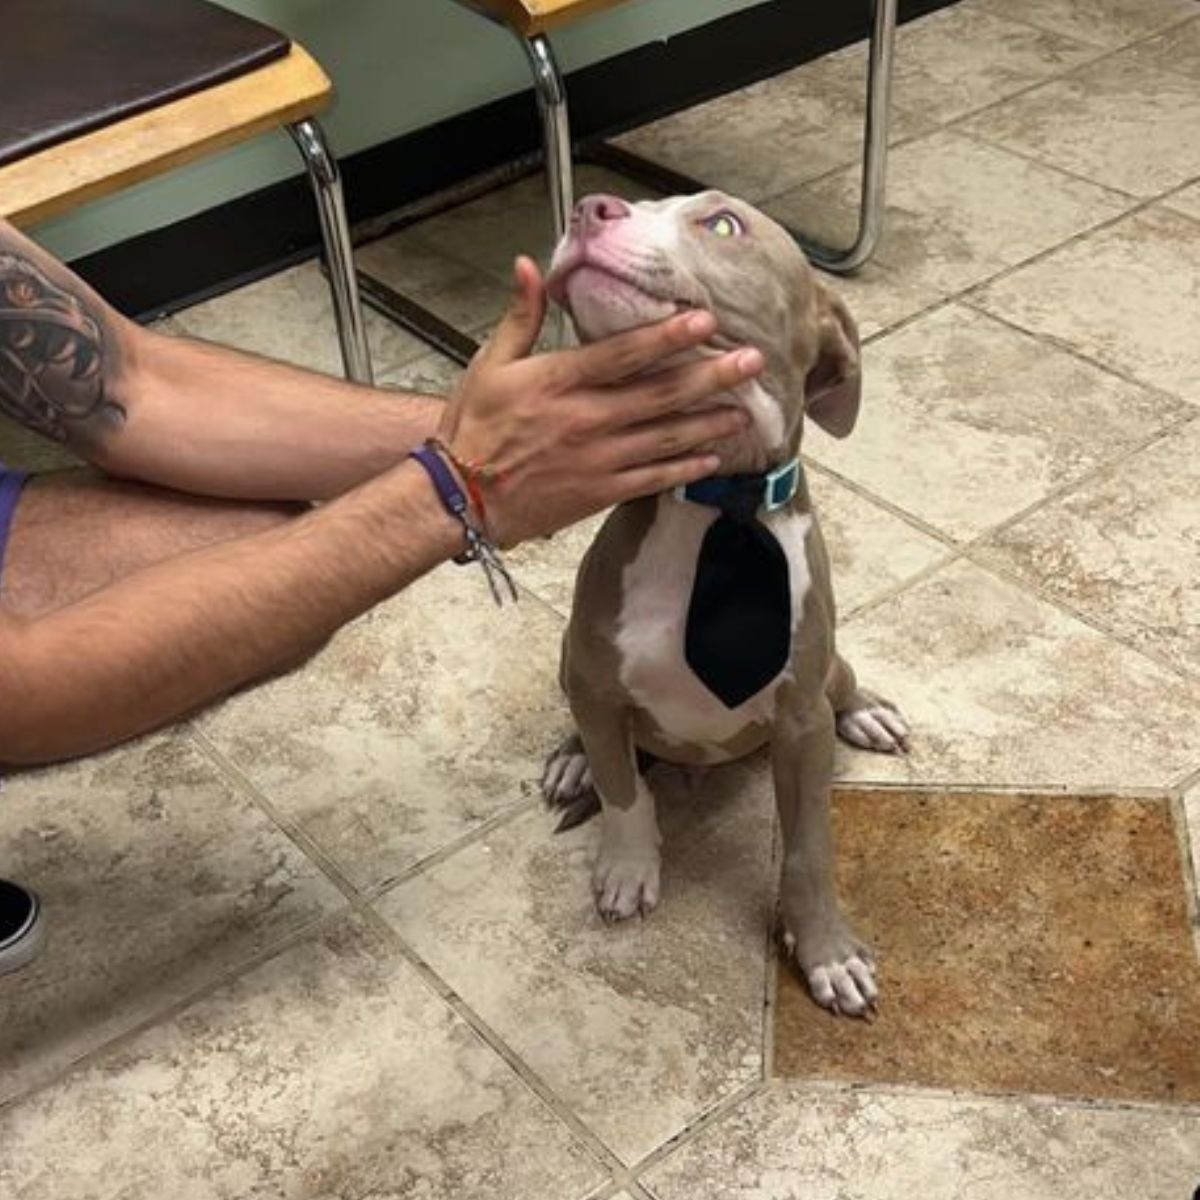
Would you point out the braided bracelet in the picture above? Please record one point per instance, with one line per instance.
(473, 475)
(479, 548)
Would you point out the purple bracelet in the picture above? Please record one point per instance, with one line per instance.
(479, 549)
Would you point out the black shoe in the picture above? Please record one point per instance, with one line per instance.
(22, 929)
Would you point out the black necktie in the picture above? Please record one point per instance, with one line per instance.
(739, 622)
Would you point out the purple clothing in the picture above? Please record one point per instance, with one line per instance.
(11, 483)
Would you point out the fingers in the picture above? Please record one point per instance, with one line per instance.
(514, 337)
(615, 358)
(678, 387)
(673, 436)
(662, 477)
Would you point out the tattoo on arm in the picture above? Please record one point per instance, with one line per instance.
(54, 356)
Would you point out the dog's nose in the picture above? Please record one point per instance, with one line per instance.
(593, 211)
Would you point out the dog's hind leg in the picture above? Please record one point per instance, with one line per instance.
(568, 786)
(863, 718)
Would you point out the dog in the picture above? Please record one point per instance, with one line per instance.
(673, 654)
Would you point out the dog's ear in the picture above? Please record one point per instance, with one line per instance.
(833, 386)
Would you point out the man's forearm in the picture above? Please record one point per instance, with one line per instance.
(214, 421)
(167, 640)
(181, 413)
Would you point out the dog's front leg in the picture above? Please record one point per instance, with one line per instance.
(625, 879)
(837, 965)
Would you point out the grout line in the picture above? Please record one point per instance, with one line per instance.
(1104, 55)
(1120, 195)
(327, 864)
(1084, 479)
(448, 850)
(604, 1157)
(869, 1090)
(971, 302)
(989, 790)
(695, 1128)
(972, 551)
(1107, 50)
(291, 829)
(638, 1190)
(1002, 273)
(910, 519)
(771, 958)
(1185, 783)
(1187, 863)
(1096, 624)
(174, 1008)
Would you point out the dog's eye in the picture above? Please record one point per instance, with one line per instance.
(724, 224)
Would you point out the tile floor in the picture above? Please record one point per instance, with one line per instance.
(320, 943)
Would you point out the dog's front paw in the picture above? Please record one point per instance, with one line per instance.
(872, 723)
(625, 883)
(838, 967)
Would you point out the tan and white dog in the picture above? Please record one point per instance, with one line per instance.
(630, 689)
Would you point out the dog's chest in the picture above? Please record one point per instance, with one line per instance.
(656, 590)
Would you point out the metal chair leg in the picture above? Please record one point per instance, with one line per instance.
(326, 181)
(556, 141)
(875, 144)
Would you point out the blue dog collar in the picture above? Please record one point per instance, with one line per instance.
(777, 487)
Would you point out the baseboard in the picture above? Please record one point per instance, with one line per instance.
(203, 255)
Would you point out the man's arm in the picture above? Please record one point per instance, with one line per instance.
(160, 643)
(572, 440)
(177, 412)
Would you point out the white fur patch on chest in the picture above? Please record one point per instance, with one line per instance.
(656, 589)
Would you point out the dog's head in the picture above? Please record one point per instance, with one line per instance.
(622, 265)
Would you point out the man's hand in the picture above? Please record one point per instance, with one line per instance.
(572, 432)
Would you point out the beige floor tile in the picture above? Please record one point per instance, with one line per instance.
(490, 232)
(421, 720)
(1187, 201)
(289, 316)
(548, 568)
(871, 550)
(464, 296)
(157, 878)
(19, 447)
(1176, 50)
(329, 1071)
(958, 211)
(963, 57)
(789, 1142)
(966, 421)
(433, 374)
(1125, 549)
(878, 296)
(1127, 297)
(1119, 122)
(1108, 23)
(638, 1027)
(811, 118)
(1002, 689)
